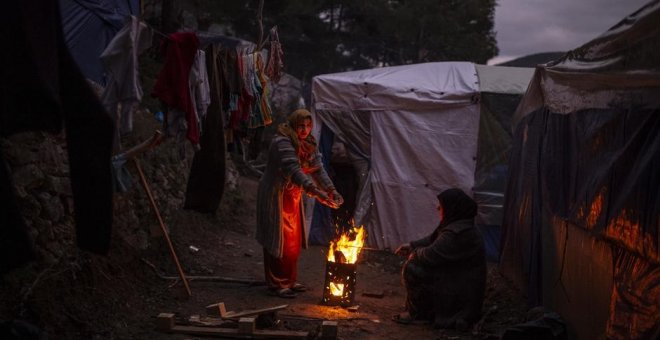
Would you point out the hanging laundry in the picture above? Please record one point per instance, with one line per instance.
(245, 98)
(172, 85)
(264, 104)
(120, 59)
(275, 62)
(233, 82)
(206, 179)
(199, 87)
(260, 114)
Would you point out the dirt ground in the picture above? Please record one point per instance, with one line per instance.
(227, 248)
(120, 296)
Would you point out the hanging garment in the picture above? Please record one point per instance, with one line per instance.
(46, 90)
(275, 62)
(245, 99)
(206, 181)
(120, 59)
(231, 77)
(264, 103)
(176, 126)
(260, 114)
(199, 85)
(172, 85)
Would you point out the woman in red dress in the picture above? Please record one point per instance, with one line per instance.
(293, 167)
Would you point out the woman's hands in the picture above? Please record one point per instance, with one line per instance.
(335, 196)
(324, 198)
(404, 250)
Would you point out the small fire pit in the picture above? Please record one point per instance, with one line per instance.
(341, 269)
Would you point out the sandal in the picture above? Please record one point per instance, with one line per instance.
(406, 319)
(299, 287)
(286, 293)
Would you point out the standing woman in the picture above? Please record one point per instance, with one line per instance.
(293, 167)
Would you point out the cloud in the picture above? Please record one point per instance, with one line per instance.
(533, 26)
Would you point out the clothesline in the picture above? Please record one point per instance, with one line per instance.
(166, 36)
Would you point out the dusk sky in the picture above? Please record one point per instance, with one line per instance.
(533, 26)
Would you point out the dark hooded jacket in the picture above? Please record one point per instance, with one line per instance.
(454, 258)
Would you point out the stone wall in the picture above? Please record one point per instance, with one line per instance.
(39, 167)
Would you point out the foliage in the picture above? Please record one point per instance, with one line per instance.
(325, 36)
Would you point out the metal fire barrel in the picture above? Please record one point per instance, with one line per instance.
(340, 273)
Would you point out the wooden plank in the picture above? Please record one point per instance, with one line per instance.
(246, 325)
(165, 321)
(329, 330)
(220, 309)
(216, 309)
(198, 320)
(233, 333)
(235, 315)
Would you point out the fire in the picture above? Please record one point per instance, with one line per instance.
(348, 246)
(336, 289)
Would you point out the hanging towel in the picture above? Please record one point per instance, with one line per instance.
(172, 85)
(120, 59)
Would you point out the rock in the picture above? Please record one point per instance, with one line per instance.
(30, 207)
(61, 185)
(28, 176)
(51, 207)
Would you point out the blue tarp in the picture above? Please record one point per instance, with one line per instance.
(322, 230)
(89, 25)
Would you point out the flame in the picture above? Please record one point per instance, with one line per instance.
(350, 248)
(336, 289)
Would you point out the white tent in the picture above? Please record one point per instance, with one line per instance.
(411, 131)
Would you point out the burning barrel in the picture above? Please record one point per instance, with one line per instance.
(341, 269)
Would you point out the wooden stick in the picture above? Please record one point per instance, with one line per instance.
(162, 225)
(220, 309)
(251, 282)
(144, 146)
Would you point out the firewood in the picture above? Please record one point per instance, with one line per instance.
(374, 294)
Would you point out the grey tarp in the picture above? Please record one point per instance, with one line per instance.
(411, 131)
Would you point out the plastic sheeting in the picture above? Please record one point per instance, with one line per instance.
(391, 120)
(412, 131)
(503, 79)
(89, 26)
(408, 87)
(596, 170)
(585, 158)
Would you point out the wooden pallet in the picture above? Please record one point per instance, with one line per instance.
(220, 309)
(246, 330)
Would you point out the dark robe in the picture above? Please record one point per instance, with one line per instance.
(446, 276)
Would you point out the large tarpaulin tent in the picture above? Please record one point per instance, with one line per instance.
(89, 25)
(582, 211)
(412, 131)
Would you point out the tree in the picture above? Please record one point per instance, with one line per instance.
(326, 36)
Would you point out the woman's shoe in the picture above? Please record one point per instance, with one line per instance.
(286, 293)
(299, 287)
(406, 319)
